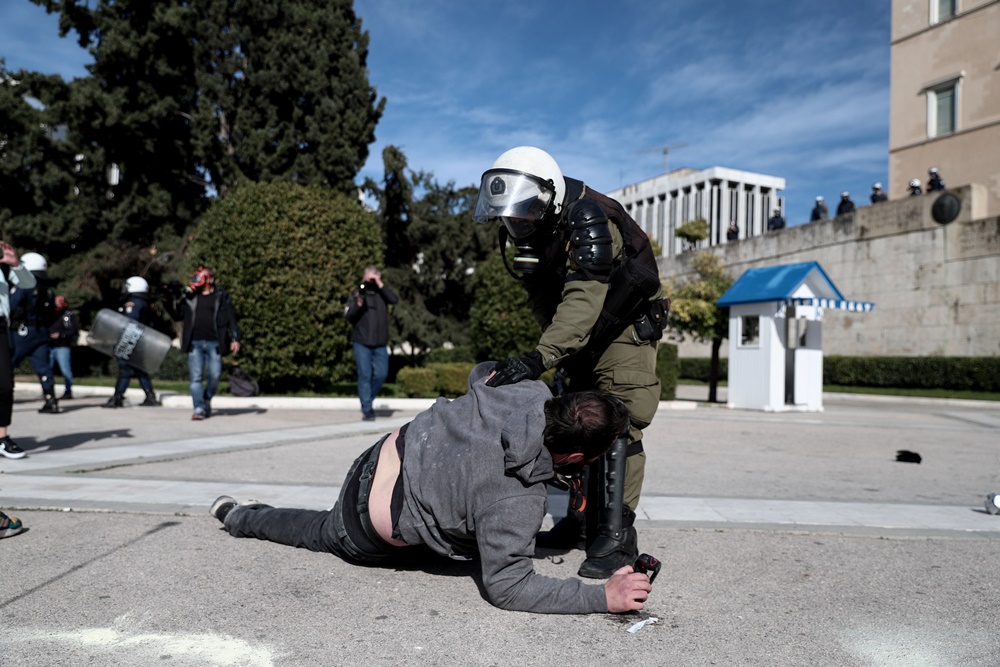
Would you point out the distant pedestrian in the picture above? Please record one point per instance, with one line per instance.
(820, 210)
(368, 312)
(934, 182)
(135, 306)
(846, 205)
(915, 188)
(12, 274)
(62, 337)
(878, 196)
(209, 333)
(776, 221)
(733, 233)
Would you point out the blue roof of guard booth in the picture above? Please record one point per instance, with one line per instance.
(774, 283)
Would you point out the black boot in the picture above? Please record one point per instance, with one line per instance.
(150, 400)
(614, 542)
(67, 395)
(51, 406)
(116, 401)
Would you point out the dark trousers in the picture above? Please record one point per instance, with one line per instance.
(32, 343)
(125, 373)
(338, 531)
(6, 376)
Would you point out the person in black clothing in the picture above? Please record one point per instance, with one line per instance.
(62, 337)
(33, 310)
(733, 233)
(877, 194)
(820, 210)
(846, 205)
(776, 222)
(210, 332)
(934, 182)
(914, 186)
(136, 307)
(368, 312)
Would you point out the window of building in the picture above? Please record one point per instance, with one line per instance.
(942, 107)
(750, 331)
(942, 10)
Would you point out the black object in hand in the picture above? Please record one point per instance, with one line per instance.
(647, 565)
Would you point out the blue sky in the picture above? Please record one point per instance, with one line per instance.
(788, 88)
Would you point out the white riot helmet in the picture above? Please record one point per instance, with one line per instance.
(877, 186)
(914, 182)
(136, 285)
(819, 199)
(34, 262)
(523, 186)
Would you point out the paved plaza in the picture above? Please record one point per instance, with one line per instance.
(786, 539)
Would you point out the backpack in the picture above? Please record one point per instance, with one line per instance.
(242, 384)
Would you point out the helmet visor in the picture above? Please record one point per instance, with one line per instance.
(519, 199)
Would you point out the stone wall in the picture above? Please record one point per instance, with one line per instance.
(936, 288)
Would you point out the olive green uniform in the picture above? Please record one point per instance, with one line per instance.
(627, 369)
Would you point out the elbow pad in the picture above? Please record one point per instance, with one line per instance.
(590, 247)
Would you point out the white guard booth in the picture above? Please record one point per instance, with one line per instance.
(776, 337)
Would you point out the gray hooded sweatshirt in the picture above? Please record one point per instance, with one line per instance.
(474, 473)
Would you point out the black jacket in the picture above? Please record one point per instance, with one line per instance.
(67, 327)
(226, 327)
(371, 319)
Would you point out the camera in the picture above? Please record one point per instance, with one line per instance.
(367, 285)
(647, 565)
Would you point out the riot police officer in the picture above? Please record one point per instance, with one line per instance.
(135, 306)
(593, 285)
(33, 310)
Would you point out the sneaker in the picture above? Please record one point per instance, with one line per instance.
(10, 450)
(9, 525)
(222, 506)
(67, 395)
(993, 503)
(368, 417)
(116, 401)
(199, 414)
(208, 408)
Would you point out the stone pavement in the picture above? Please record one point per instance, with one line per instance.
(787, 539)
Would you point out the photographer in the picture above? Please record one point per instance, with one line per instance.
(368, 312)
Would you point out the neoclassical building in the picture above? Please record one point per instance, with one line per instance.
(945, 94)
(718, 195)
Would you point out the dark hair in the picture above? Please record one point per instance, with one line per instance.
(587, 422)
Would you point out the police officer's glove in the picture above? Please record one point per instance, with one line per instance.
(515, 369)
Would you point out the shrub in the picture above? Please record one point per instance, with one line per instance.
(288, 255)
(501, 321)
(955, 373)
(458, 354)
(699, 368)
(452, 379)
(417, 382)
(667, 369)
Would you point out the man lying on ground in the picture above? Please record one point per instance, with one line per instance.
(467, 479)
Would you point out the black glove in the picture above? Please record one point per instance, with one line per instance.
(515, 369)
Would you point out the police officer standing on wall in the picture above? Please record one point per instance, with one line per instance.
(594, 287)
(33, 311)
(136, 307)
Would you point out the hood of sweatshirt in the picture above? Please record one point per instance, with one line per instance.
(524, 454)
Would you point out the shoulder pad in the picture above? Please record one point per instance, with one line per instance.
(590, 245)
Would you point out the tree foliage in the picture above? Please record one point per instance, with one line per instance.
(287, 254)
(502, 323)
(183, 102)
(693, 309)
(433, 250)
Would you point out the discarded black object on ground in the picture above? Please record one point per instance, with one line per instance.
(242, 384)
(906, 456)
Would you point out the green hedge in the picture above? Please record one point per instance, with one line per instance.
(667, 369)
(417, 382)
(698, 368)
(956, 373)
